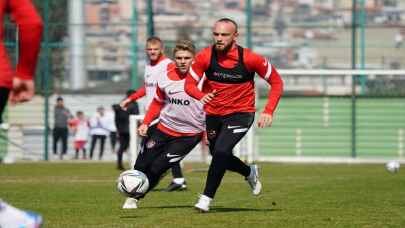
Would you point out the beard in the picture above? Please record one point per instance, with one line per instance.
(225, 48)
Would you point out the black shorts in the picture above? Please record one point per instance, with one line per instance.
(160, 151)
(224, 132)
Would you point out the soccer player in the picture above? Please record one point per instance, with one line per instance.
(181, 119)
(17, 85)
(153, 70)
(229, 100)
(61, 116)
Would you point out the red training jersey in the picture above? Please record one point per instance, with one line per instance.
(233, 97)
(30, 26)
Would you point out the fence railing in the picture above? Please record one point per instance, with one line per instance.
(323, 113)
(337, 113)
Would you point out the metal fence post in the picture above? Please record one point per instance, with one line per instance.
(134, 47)
(151, 24)
(248, 11)
(354, 66)
(46, 77)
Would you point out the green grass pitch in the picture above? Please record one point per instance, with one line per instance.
(294, 195)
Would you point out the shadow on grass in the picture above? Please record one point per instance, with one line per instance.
(129, 217)
(233, 209)
(164, 190)
(172, 206)
(218, 209)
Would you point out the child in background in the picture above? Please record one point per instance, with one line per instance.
(81, 131)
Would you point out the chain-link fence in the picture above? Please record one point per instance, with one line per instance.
(94, 47)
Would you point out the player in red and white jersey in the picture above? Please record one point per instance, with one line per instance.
(229, 97)
(17, 85)
(181, 119)
(154, 70)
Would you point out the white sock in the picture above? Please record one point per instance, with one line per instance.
(179, 180)
(205, 198)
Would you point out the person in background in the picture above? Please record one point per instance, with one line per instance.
(98, 131)
(60, 129)
(81, 130)
(17, 85)
(122, 123)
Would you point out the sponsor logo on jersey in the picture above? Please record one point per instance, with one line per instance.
(178, 101)
(174, 92)
(227, 76)
(232, 127)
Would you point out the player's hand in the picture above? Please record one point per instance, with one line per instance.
(143, 129)
(265, 120)
(208, 97)
(22, 91)
(124, 104)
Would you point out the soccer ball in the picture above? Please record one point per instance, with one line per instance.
(392, 166)
(133, 183)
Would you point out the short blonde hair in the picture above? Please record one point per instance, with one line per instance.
(154, 40)
(184, 45)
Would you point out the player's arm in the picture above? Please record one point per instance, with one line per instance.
(30, 28)
(153, 111)
(269, 73)
(141, 92)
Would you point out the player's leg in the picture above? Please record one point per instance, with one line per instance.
(178, 182)
(175, 150)
(222, 141)
(250, 172)
(151, 147)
